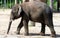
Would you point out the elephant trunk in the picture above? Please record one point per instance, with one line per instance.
(9, 26)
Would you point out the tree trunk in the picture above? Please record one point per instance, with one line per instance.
(4, 3)
(51, 4)
(58, 5)
(26, 0)
(45, 1)
(15, 1)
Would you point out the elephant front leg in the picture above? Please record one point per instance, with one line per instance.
(42, 29)
(19, 27)
(25, 23)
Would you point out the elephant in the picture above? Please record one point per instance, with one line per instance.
(35, 11)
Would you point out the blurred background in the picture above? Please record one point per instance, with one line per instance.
(9, 3)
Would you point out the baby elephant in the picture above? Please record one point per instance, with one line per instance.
(35, 11)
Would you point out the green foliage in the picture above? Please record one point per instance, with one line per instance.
(48, 2)
(9, 3)
(54, 4)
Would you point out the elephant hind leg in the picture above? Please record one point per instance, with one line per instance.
(51, 27)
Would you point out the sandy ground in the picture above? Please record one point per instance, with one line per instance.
(33, 31)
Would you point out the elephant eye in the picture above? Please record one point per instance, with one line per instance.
(18, 9)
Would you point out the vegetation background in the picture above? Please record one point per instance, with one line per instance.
(10, 3)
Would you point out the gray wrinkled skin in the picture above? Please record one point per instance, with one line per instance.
(35, 11)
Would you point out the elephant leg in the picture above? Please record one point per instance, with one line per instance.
(50, 25)
(42, 29)
(25, 23)
(19, 26)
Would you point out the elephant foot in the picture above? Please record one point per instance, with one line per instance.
(18, 32)
(26, 34)
(42, 34)
(53, 35)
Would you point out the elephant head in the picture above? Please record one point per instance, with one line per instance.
(15, 14)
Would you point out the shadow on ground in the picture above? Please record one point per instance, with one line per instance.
(37, 34)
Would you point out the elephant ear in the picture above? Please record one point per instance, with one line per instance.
(19, 11)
